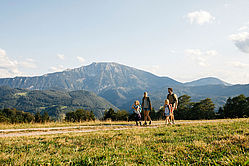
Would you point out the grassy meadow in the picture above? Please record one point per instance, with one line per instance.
(220, 143)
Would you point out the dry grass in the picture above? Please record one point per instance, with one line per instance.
(223, 143)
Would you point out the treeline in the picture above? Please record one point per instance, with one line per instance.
(120, 115)
(188, 110)
(236, 107)
(14, 116)
(79, 116)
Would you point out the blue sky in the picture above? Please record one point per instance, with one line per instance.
(185, 40)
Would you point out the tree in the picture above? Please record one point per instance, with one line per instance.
(38, 117)
(236, 107)
(122, 115)
(110, 114)
(15, 116)
(70, 116)
(203, 110)
(79, 115)
(184, 107)
(45, 117)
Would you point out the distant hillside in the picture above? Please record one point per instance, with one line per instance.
(55, 102)
(95, 77)
(115, 82)
(207, 81)
(121, 85)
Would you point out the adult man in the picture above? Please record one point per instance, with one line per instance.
(173, 101)
(146, 107)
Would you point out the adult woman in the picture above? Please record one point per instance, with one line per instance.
(146, 107)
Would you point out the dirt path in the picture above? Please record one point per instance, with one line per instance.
(84, 129)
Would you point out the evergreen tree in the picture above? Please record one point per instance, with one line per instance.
(203, 110)
(110, 114)
(38, 117)
(184, 107)
(122, 115)
(236, 107)
(45, 117)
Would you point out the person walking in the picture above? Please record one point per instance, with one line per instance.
(173, 100)
(137, 110)
(167, 111)
(146, 107)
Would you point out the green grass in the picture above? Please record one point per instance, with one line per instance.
(222, 143)
(21, 94)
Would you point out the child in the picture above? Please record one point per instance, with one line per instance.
(137, 110)
(167, 110)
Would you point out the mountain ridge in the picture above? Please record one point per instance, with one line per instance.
(10, 81)
(207, 81)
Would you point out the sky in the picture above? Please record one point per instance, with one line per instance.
(183, 40)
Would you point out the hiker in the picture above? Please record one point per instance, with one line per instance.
(146, 107)
(174, 102)
(167, 111)
(137, 110)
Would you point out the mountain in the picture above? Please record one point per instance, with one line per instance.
(121, 85)
(96, 77)
(115, 82)
(207, 81)
(53, 101)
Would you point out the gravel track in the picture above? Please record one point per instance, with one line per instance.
(82, 129)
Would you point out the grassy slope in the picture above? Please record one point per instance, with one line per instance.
(224, 143)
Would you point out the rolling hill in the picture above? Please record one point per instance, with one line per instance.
(53, 101)
(207, 81)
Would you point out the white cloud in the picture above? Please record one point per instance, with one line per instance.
(201, 57)
(227, 5)
(200, 17)
(2, 52)
(211, 53)
(243, 28)
(57, 69)
(10, 68)
(61, 56)
(241, 40)
(155, 69)
(173, 51)
(80, 59)
(238, 64)
(28, 63)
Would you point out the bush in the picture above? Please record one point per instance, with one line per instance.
(236, 107)
(79, 115)
(120, 115)
(15, 116)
